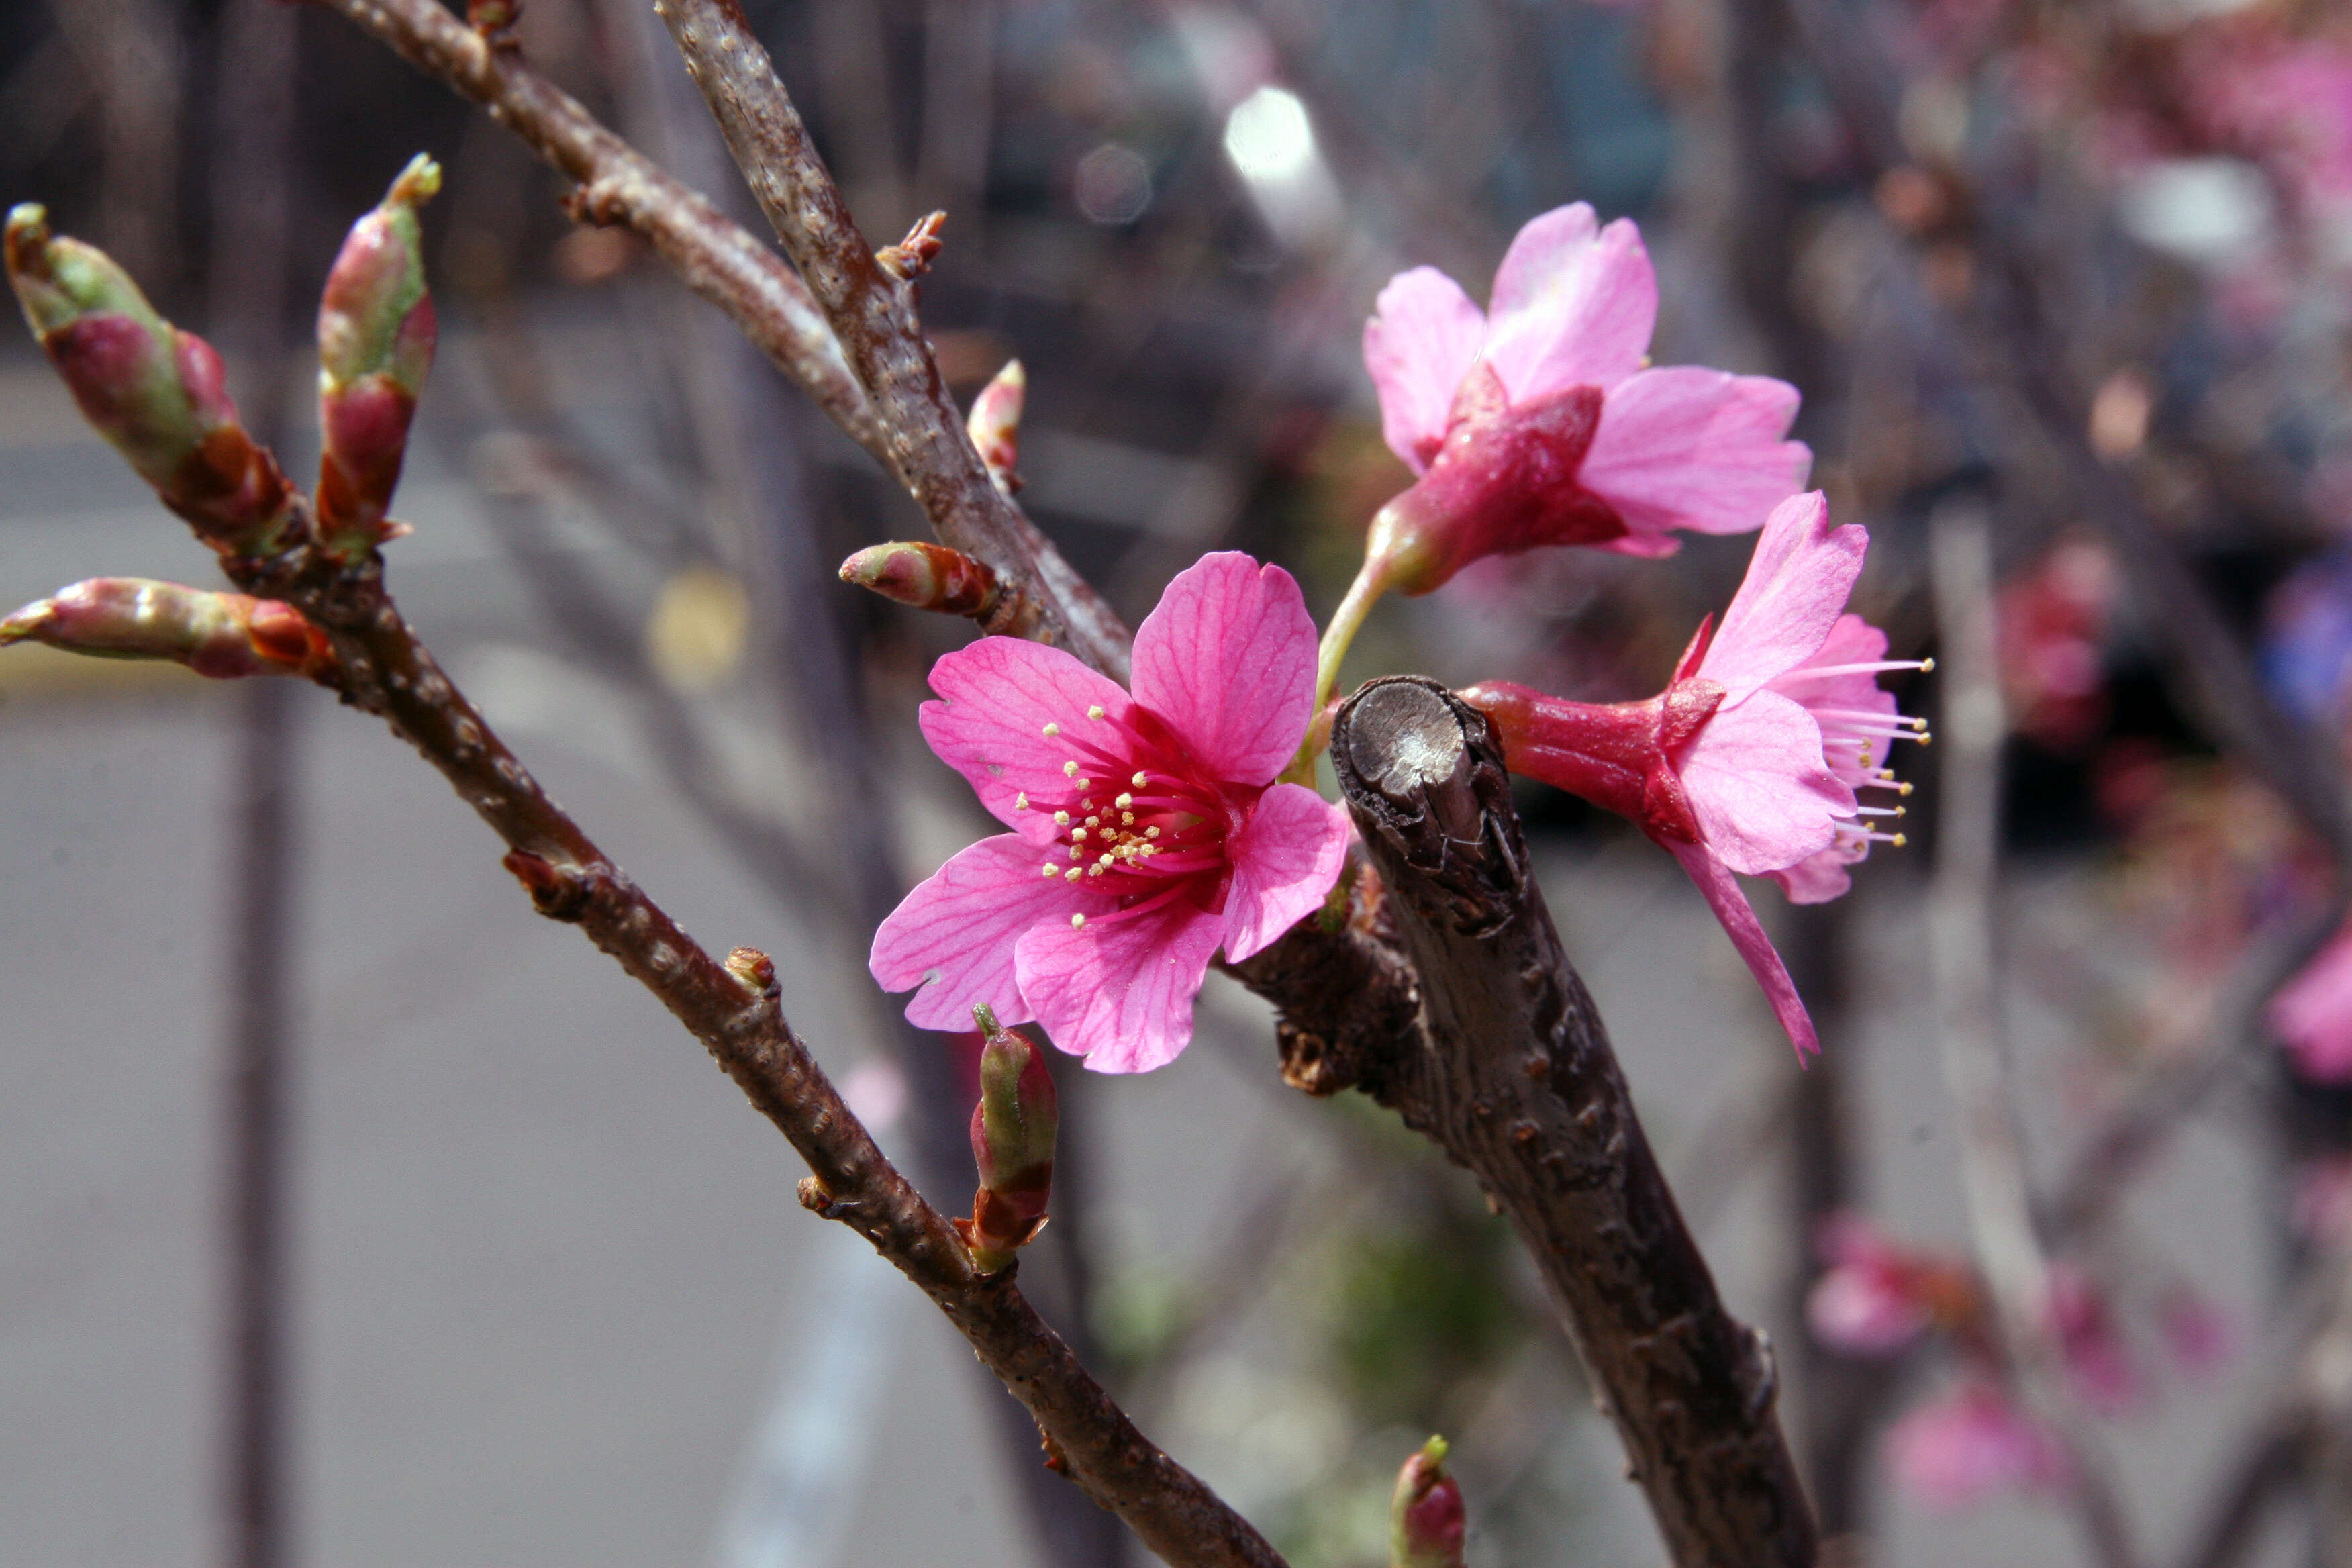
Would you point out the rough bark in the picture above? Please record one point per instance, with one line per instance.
(1512, 1074)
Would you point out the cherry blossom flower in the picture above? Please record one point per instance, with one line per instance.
(1148, 830)
(1751, 760)
(1866, 1302)
(1542, 423)
(1966, 1447)
(2313, 1013)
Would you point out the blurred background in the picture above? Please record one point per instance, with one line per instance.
(351, 1216)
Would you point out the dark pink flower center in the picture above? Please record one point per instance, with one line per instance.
(1135, 823)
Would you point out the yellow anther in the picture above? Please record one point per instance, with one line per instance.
(1124, 800)
(1070, 771)
(1096, 870)
(1903, 789)
(1051, 870)
(1094, 822)
(1061, 819)
(1085, 783)
(1073, 852)
(1898, 841)
(1076, 922)
(1071, 875)
(1053, 729)
(1140, 779)
(1077, 832)
(1151, 833)
(1126, 817)
(1104, 861)
(1926, 667)
(1096, 711)
(1021, 800)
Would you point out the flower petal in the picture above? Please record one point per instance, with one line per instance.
(1764, 797)
(1227, 660)
(1695, 448)
(1421, 342)
(1000, 694)
(1795, 589)
(1573, 305)
(1823, 877)
(2313, 1013)
(1739, 923)
(1285, 858)
(954, 934)
(1119, 991)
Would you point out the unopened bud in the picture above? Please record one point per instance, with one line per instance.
(219, 634)
(1013, 1131)
(927, 576)
(157, 394)
(494, 19)
(376, 332)
(1425, 1520)
(995, 424)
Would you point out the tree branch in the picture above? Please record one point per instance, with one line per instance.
(870, 301)
(1516, 1079)
(732, 1007)
(616, 184)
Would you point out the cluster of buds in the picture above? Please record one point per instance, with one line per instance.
(1426, 1522)
(157, 394)
(219, 634)
(1012, 1133)
(376, 334)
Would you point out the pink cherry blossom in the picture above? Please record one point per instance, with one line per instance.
(1749, 762)
(1539, 423)
(1868, 1300)
(1148, 830)
(1970, 1446)
(2313, 1013)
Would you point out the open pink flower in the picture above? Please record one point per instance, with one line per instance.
(1539, 424)
(2313, 1013)
(1750, 762)
(1148, 830)
(1970, 1446)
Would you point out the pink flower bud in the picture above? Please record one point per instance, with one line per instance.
(1426, 1524)
(995, 424)
(157, 394)
(377, 333)
(1012, 1133)
(926, 577)
(219, 634)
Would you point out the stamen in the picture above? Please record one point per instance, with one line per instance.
(1051, 870)
(1053, 729)
(1086, 783)
(1021, 800)
(1070, 771)
(1096, 711)
(1880, 811)
(1074, 852)
(1071, 875)
(1140, 779)
(1061, 819)
(1151, 833)
(1077, 922)
(1922, 665)
(1077, 832)
(1124, 800)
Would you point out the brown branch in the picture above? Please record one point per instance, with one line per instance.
(733, 1009)
(870, 301)
(1516, 1079)
(614, 184)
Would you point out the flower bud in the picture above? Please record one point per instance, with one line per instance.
(376, 332)
(995, 424)
(1013, 1131)
(1505, 481)
(1425, 1519)
(157, 394)
(927, 576)
(218, 635)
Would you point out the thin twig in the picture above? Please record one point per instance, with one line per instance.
(1976, 1067)
(614, 184)
(871, 305)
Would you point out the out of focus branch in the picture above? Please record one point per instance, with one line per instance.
(1961, 922)
(614, 184)
(1516, 1079)
(870, 301)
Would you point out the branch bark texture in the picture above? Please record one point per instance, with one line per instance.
(1513, 1075)
(870, 301)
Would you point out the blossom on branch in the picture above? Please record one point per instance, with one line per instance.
(1970, 1446)
(1540, 423)
(1148, 830)
(1751, 760)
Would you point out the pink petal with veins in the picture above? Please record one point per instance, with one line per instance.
(1574, 305)
(1686, 447)
(1227, 661)
(1421, 342)
(1795, 589)
(1000, 694)
(954, 934)
(1285, 857)
(1119, 991)
(1739, 923)
(1763, 796)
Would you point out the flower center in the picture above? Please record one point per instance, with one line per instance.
(1132, 823)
